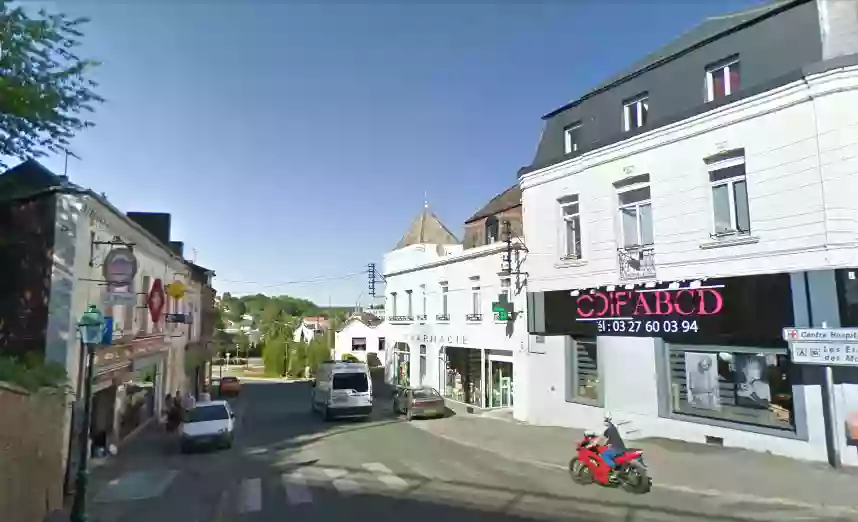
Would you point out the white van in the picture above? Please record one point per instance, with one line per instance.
(342, 389)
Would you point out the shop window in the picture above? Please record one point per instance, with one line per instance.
(729, 194)
(444, 314)
(571, 240)
(492, 230)
(636, 216)
(463, 374)
(422, 364)
(410, 313)
(358, 344)
(742, 385)
(572, 138)
(635, 112)
(583, 371)
(722, 79)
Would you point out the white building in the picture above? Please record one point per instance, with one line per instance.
(441, 330)
(361, 337)
(310, 327)
(675, 231)
(141, 357)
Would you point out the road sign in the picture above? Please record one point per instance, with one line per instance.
(820, 334)
(825, 354)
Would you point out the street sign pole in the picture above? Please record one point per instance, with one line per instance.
(828, 348)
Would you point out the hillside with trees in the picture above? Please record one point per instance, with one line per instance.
(275, 318)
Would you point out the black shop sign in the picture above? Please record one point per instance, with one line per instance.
(752, 307)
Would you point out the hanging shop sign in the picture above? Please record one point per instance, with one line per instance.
(119, 354)
(750, 308)
(120, 267)
(156, 300)
(119, 295)
(176, 290)
(649, 311)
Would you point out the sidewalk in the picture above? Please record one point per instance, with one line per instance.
(680, 466)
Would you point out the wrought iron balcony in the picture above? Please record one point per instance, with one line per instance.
(474, 317)
(636, 262)
(421, 317)
(401, 319)
(442, 317)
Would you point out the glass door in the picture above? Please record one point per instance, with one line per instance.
(500, 393)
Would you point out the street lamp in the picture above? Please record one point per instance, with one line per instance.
(91, 328)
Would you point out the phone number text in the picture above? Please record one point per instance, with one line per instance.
(653, 326)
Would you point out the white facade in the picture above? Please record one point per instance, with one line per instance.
(439, 299)
(800, 146)
(360, 339)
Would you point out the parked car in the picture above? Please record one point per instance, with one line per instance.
(207, 424)
(229, 386)
(422, 401)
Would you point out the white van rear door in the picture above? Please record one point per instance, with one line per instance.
(350, 389)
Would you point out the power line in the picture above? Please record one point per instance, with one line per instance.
(318, 279)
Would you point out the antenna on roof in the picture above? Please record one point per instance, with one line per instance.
(425, 200)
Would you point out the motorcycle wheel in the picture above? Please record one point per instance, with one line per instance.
(636, 479)
(580, 473)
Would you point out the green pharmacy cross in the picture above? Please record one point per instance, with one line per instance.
(503, 308)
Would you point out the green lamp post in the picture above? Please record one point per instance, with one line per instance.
(91, 328)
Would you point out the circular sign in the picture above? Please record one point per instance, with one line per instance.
(176, 290)
(120, 267)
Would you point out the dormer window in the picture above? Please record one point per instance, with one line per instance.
(492, 230)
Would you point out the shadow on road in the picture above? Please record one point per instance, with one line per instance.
(278, 417)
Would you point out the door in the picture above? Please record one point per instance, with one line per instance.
(500, 395)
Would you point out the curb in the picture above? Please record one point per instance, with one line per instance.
(724, 496)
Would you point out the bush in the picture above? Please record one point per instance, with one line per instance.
(347, 357)
(32, 373)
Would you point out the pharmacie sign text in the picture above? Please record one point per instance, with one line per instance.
(456, 340)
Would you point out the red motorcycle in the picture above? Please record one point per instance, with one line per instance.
(629, 470)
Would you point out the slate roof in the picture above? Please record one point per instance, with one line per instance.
(29, 179)
(427, 228)
(366, 318)
(710, 29)
(509, 198)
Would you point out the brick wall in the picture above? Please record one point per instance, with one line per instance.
(31, 473)
(475, 231)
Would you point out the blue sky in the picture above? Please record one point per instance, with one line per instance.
(293, 142)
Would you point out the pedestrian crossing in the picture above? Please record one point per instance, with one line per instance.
(298, 484)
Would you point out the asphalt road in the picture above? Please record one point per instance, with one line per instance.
(288, 464)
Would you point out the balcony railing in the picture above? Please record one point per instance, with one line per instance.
(474, 317)
(421, 317)
(401, 318)
(442, 317)
(636, 262)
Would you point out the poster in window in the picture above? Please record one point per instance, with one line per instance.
(701, 373)
(752, 386)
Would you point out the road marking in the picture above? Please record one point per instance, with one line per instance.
(297, 491)
(251, 496)
(386, 476)
(343, 485)
(724, 496)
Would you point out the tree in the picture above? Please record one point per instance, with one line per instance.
(318, 351)
(44, 86)
(274, 354)
(297, 359)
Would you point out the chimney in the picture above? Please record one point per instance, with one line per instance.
(838, 24)
(156, 223)
(178, 247)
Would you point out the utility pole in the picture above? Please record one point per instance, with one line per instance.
(373, 278)
(330, 328)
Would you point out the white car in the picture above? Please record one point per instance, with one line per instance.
(208, 424)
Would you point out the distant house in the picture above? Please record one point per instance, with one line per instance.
(361, 337)
(309, 328)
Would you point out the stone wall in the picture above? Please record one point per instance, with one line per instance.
(31, 439)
